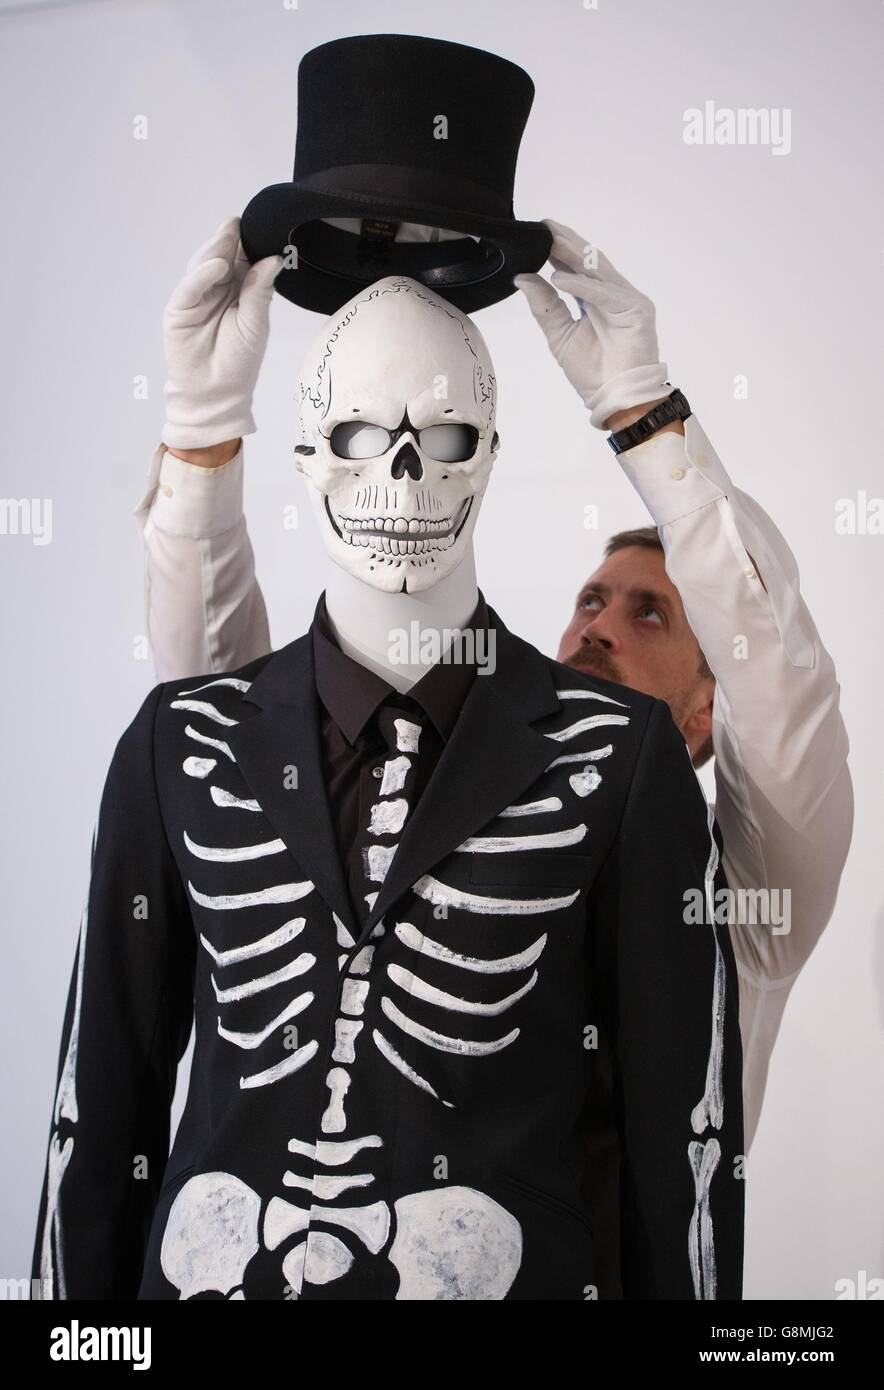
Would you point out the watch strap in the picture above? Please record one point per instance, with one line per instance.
(675, 407)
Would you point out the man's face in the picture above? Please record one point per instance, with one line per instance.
(629, 626)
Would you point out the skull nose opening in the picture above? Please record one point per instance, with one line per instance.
(407, 460)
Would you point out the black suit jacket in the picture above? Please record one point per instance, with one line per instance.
(446, 1104)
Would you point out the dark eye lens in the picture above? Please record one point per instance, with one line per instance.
(449, 443)
(357, 439)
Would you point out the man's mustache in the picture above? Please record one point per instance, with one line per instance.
(595, 660)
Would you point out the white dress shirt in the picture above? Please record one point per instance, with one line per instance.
(783, 794)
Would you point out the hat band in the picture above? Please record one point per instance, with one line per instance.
(399, 181)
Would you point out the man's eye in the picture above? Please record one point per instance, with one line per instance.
(591, 600)
(653, 612)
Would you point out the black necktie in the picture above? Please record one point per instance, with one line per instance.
(400, 728)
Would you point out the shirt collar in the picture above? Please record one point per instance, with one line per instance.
(351, 693)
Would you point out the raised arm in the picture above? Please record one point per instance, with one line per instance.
(203, 603)
(784, 800)
(204, 607)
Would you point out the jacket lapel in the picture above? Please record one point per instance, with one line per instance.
(284, 733)
(491, 756)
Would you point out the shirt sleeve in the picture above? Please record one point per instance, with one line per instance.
(203, 603)
(663, 990)
(126, 1026)
(784, 799)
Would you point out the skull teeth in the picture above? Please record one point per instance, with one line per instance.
(401, 535)
(396, 526)
(391, 545)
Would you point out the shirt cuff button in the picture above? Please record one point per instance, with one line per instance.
(677, 474)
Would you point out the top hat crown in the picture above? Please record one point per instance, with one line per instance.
(393, 129)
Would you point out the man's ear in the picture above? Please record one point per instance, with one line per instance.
(698, 726)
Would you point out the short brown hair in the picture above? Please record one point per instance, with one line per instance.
(647, 538)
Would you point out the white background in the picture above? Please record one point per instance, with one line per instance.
(759, 264)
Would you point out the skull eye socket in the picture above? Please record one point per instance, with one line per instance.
(449, 443)
(357, 439)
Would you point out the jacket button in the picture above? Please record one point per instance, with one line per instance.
(377, 772)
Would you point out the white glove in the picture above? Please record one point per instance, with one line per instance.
(610, 353)
(215, 331)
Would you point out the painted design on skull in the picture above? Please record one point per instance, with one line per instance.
(397, 398)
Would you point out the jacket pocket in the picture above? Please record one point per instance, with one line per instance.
(529, 869)
(544, 1199)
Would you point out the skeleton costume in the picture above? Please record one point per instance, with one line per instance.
(436, 958)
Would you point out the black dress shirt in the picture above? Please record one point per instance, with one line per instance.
(350, 698)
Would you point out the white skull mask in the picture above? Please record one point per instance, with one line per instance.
(398, 397)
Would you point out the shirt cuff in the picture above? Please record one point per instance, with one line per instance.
(184, 499)
(675, 474)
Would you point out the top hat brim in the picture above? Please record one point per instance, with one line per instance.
(333, 265)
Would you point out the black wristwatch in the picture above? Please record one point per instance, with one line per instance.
(675, 407)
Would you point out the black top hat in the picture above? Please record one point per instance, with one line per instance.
(397, 128)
